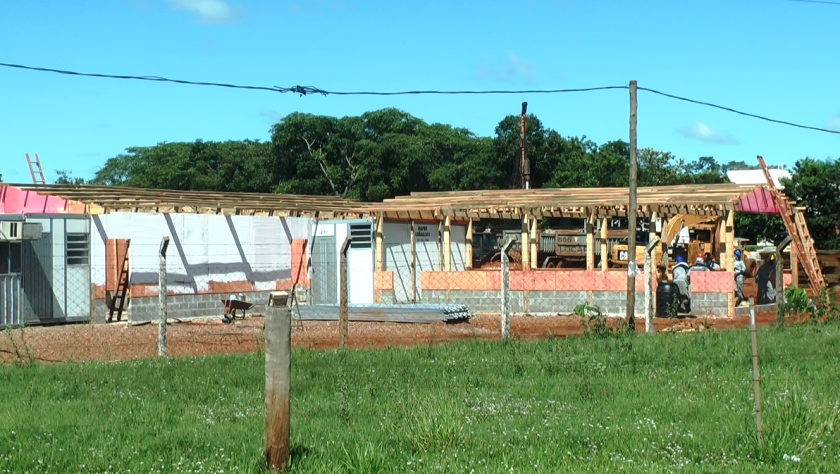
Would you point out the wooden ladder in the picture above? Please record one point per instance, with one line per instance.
(797, 228)
(118, 302)
(35, 180)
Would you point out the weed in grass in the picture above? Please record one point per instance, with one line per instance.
(796, 425)
(364, 458)
(433, 425)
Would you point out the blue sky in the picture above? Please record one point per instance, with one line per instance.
(771, 57)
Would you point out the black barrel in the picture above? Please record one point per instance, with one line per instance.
(666, 295)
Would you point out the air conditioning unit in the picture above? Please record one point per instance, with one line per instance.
(10, 230)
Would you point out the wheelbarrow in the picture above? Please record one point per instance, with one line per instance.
(231, 306)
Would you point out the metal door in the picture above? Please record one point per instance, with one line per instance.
(39, 300)
(324, 270)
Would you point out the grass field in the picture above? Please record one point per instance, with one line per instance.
(658, 403)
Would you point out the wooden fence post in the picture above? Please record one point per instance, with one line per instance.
(343, 324)
(164, 243)
(278, 363)
(756, 388)
(506, 289)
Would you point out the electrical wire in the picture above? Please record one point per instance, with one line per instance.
(747, 114)
(308, 90)
(814, 1)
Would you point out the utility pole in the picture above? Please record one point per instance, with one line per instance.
(524, 164)
(631, 217)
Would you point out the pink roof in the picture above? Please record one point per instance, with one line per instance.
(17, 201)
(759, 200)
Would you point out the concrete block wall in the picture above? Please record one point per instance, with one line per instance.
(146, 308)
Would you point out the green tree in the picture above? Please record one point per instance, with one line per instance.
(815, 184)
(66, 177)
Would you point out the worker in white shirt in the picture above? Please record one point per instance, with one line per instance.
(740, 270)
(682, 238)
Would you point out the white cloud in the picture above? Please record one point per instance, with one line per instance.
(834, 123)
(207, 11)
(705, 133)
(514, 68)
(274, 115)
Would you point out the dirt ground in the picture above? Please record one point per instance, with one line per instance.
(122, 341)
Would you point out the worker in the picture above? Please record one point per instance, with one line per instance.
(740, 269)
(680, 277)
(710, 262)
(682, 239)
(765, 279)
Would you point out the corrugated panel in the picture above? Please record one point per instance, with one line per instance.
(10, 300)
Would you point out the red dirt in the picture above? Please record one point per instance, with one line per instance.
(120, 341)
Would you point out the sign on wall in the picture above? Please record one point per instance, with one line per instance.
(425, 233)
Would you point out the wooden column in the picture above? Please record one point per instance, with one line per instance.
(468, 252)
(590, 241)
(652, 227)
(535, 243)
(730, 259)
(523, 246)
(447, 247)
(605, 251)
(413, 263)
(721, 238)
(379, 250)
(794, 268)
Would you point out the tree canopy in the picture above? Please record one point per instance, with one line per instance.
(388, 152)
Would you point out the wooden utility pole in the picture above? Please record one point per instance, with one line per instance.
(164, 244)
(631, 217)
(524, 165)
(343, 322)
(278, 364)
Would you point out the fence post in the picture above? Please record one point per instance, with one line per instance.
(756, 388)
(342, 310)
(780, 275)
(164, 243)
(278, 363)
(651, 246)
(506, 289)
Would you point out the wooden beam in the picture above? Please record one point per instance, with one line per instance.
(535, 243)
(605, 252)
(469, 249)
(523, 245)
(447, 245)
(590, 243)
(380, 222)
(730, 258)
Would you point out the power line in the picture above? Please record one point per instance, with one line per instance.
(814, 1)
(307, 90)
(302, 90)
(728, 109)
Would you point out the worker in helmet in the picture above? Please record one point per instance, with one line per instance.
(740, 270)
(765, 279)
(710, 262)
(681, 270)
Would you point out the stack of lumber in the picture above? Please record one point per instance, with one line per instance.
(396, 313)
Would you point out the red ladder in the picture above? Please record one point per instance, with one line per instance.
(32, 170)
(797, 228)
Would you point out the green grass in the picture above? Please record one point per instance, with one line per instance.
(640, 403)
